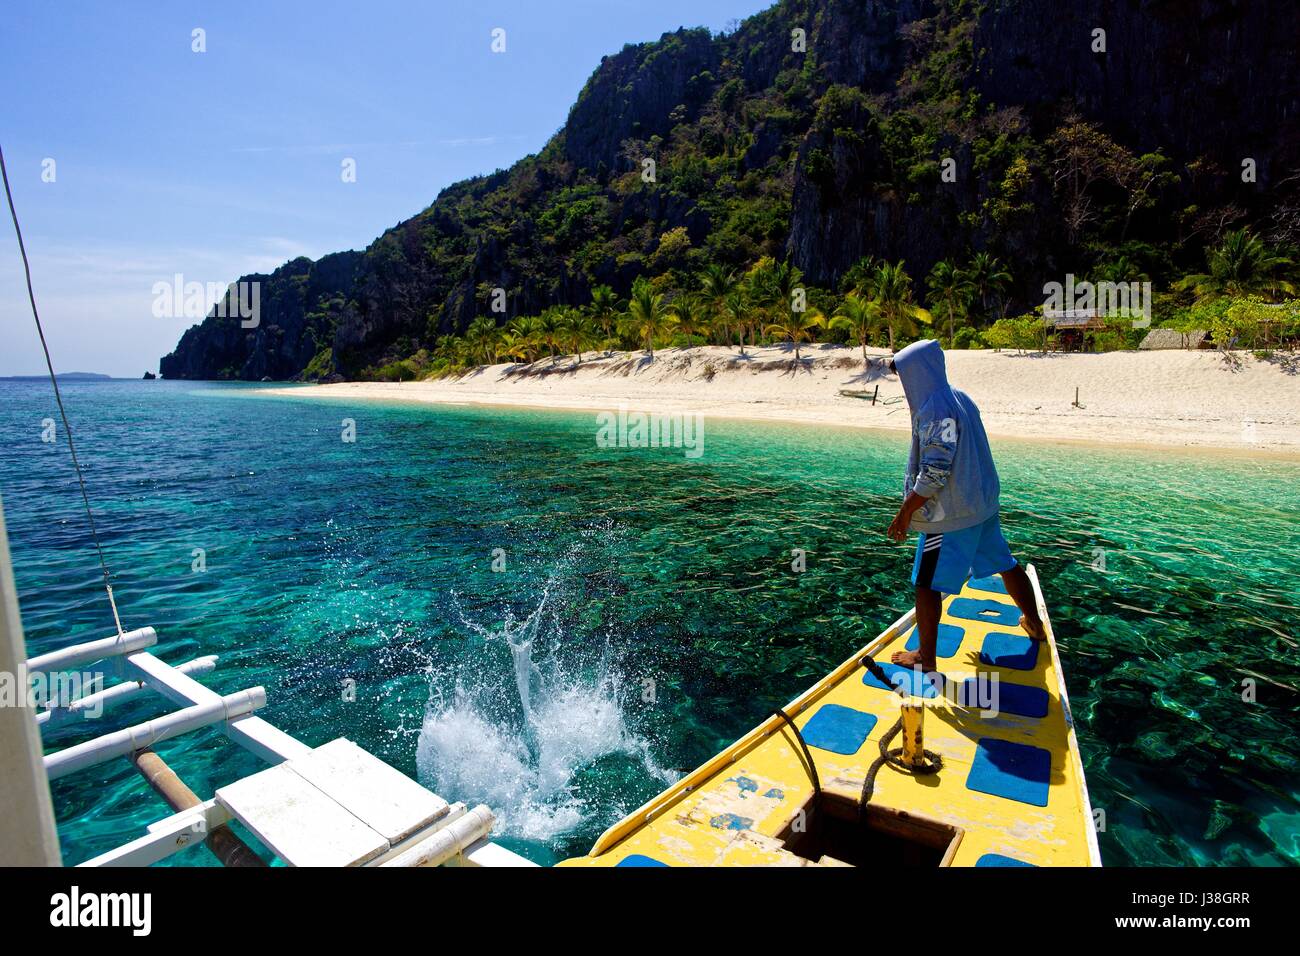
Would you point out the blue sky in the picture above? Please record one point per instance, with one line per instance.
(221, 163)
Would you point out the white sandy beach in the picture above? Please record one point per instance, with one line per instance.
(1159, 398)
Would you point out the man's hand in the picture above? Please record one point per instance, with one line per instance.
(898, 527)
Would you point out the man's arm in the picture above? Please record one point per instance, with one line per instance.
(911, 505)
(938, 440)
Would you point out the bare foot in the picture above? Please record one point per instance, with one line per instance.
(911, 659)
(1036, 631)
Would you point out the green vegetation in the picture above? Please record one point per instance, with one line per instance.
(770, 303)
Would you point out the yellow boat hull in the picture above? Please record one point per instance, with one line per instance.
(1010, 791)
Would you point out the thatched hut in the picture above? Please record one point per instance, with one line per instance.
(1073, 327)
(1173, 339)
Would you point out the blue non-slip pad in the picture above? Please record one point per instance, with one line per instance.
(1007, 615)
(950, 636)
(992, 583)
(636, 859)
(841, 730)
(1009, 650)
(997, 859)
(908, 679)
(1014, 771)
(1004, 697)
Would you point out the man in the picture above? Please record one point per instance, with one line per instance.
(952, 500)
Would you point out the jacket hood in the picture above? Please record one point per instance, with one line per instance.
(921, 369)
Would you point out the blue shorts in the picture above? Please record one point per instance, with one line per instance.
(944, 560)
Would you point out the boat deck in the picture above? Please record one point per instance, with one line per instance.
(1010, 792)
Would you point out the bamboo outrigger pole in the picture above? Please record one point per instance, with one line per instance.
(224, 844)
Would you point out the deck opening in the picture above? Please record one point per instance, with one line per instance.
(828, 831)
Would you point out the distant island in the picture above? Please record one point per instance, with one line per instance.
(61, 376)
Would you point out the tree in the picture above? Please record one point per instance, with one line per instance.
(604, 309)
(1241, 266)
(1141, 178)
(1120, 269)
(576, 331)
(531, 337)
(1080, 159)
(1083, 157)
(513, 345)
(860, 316)
(482, 339)
(647, 319)
(891, 287)
(777, 288)
(736, 312)
(857, 278)
(716, 283)
(950, 289)
(688, 314)
(987, 279)
(798, 327)
(550, 329)
(1022, 333)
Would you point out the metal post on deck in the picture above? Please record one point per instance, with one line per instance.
(27, 833)
(913, 713)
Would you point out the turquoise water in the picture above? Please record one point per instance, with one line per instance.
(657, 594)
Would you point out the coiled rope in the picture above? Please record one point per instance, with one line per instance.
(58, 397)
(934, 762)
(894, 758)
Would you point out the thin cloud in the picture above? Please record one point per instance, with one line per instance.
(478, 140)
(321, 149)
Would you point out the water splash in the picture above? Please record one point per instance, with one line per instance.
(523, 755)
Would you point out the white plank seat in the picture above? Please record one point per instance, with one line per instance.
(336, 806)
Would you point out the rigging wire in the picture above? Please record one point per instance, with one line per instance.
(58, 397)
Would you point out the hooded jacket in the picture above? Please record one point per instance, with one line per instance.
(950, 462)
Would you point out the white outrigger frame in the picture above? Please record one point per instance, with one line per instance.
(452, 834)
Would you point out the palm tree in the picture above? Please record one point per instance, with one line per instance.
(892, 287)
(513, 344)
(1241, 265)
(576, 331)
(1120, 269)
(647, 319)
(798, 327)
(688, 312)
(604, 310)
(950, 288)
(774, 288)
(858, 276)
(987, 278)
(481, 340)
(550, 329)
(860, 316)
(716, 283)
(529, 330)
(736, 313)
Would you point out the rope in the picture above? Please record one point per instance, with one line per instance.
(812, 767)
(891, 757)
(58, 397)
